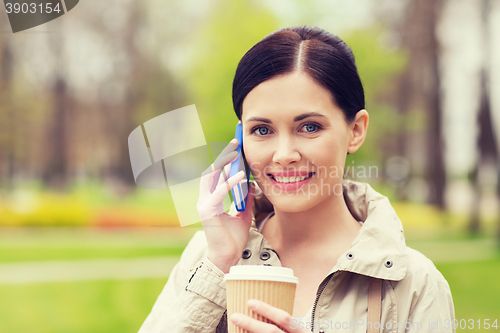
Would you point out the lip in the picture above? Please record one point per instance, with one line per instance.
(290, 186)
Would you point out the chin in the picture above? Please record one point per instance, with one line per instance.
(293, 203)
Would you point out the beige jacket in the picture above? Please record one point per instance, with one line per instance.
(415, 295)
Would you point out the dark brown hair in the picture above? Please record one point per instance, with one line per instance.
(318, 53)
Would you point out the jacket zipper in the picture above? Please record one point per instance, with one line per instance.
(318, 295)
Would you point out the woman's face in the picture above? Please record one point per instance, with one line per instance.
(291, 127)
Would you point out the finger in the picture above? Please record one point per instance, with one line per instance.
(222, 179)
(225, 172)
(222, 174)
(231, 146)
(206, 180)
(253, 325)
(227, 155)
(222, 159)
(278, 316)
(222, 190)
(210, 177)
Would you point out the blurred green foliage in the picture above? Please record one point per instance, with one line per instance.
(379, 66)
(230, 30)
(377, 62)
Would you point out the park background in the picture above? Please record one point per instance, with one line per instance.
(84, 249)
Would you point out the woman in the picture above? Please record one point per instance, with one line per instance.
(301, 103)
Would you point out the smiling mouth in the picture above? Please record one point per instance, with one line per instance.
(286, 180)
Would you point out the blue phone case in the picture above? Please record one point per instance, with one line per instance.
(240, 190)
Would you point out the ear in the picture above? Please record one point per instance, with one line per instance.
(358, 129)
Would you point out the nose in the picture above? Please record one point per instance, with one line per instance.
(286, 152)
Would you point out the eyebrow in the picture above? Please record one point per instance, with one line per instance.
(298, 118)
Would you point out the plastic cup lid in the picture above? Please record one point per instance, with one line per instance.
(262, 273)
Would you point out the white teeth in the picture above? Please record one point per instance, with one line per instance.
(292, 179)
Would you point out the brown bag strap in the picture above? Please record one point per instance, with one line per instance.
(374, 305)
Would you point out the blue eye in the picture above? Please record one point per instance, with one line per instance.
(262, 130)
(310, 127)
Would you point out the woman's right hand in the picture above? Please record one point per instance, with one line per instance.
(226, 235)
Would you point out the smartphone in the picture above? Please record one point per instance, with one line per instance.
(240, 191)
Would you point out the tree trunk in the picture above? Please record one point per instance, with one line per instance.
(56, 168)
(475, 218)
(6, 114)
(487, 143)
(435, 162)
(123, 118)
(403, 104)
(421, 88)
(487, 151)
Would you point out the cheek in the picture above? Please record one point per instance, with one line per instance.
(254, 157)
(324, 151)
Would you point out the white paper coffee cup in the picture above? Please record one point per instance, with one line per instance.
(272, 284)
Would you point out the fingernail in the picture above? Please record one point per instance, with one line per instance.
(252, 304)
(234, 141)
(235, 318)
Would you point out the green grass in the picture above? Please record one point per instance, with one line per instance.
(475, 288)
(78, 307)
(36, 244)
(453, 250)
(121, 306)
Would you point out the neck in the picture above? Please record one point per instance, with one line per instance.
(321, 225)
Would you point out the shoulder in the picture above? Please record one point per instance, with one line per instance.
(423, 294)
(422, 268)
(422, 277)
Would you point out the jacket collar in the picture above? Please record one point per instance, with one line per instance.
(379, 249)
